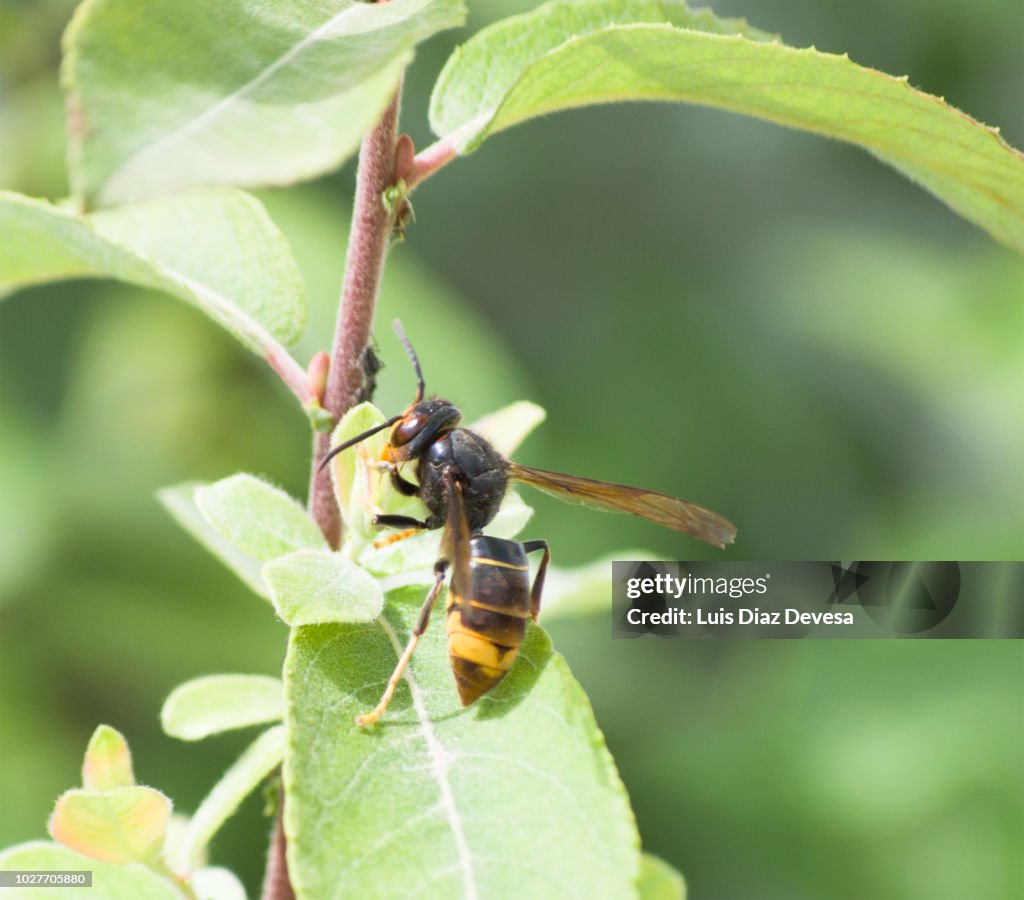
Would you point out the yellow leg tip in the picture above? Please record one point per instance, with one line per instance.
(369, 718)
(389, 539)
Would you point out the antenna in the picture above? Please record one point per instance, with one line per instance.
(356, 440)
(420, 383)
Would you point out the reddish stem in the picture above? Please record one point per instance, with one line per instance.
(289, 371)
(276, 885)
(367, 246)
(426, 163)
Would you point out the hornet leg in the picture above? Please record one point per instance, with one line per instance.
(400, 484)
(421, 625)
(384, 520)
(403, 486)
(538, 582)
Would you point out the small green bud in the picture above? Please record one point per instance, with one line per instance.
(319, 418)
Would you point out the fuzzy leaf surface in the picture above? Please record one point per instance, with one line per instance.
(180, 501)
(565, 55)
(260, 758)
(360, 488)
(108, 761)
(216, 249)
(514, 796)
(163, 96)
(310, 587)
(110, 881)
(121, 825)
(256, 518)
(216, 703)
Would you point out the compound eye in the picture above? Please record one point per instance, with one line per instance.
(408, 428)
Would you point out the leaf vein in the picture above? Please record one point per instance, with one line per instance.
(440, 760)
(539, 775)
(212, 112)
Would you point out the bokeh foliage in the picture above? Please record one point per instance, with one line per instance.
(772, 324)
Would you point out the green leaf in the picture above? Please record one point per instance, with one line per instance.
(258, 519)
(215, 249)
(343, 466)
(507, 428)
(108, 761)
(255, 764)
(310, 587)
(216, 703)
(570, 54)
(468, 108)
(109, 880)
(180, 501)
(358, 487)
(122, 825)
(163, 96)
(659, 881)
(176, 827)
(513, 796)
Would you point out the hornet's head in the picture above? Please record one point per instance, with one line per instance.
(415, 429)
(420, 425)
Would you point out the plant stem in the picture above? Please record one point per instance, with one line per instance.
(289, 371)
(367, 246)
(428, 161)
(276, 885)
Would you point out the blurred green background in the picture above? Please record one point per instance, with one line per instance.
(774, 325)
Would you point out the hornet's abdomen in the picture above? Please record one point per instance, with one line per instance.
(486, 620)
